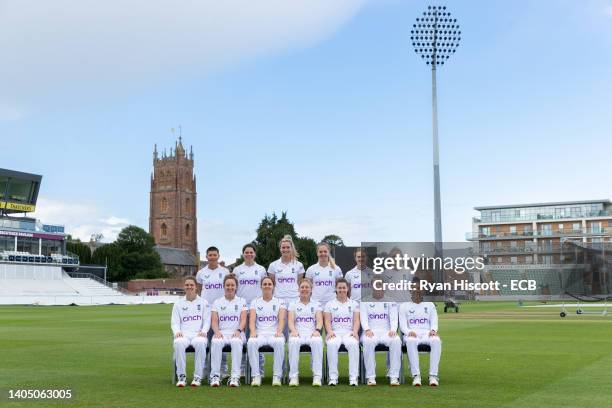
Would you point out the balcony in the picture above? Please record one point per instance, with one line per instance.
(542, 217)
(470, 236)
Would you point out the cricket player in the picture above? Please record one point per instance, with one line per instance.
(324, 275)
(190, 324)
(305, 324)
(229, 314)
(286, 272)
(341, 316)
(419, 323)
(379, 326)
(267, 316)
(360, 276)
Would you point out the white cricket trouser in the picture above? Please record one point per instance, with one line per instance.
(412, 344)
(277, 343)
(369, 354)
(181, 344)
(352, 345)
(216, 352)
(316, 348)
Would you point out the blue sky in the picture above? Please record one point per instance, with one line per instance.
(318, 108)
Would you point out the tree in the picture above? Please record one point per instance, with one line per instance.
(269, 233)
(131, 256)
(333, 240)
(307, 248)
(79, 249)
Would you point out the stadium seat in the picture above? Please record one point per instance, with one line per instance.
(190, 349)
(381, 348)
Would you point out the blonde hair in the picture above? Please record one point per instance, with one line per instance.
(294, 252)
(332, 263)
(308, 281)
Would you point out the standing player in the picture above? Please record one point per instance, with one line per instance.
(190, 325)
(324, 275)
(211, 276)
(210, 279)
(305, 324)
(249, 276)
(342, 326)
(419, 324)
(379, 325)
(228, 322)
(267, 317)
(286, 271)
(360, 276)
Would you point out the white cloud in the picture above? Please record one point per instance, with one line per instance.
(10, 113)
(608, 9)
(81, 220)
(91, 45)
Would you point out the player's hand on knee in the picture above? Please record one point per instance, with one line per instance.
(294, 334)
(200, 334)
(412, 334)
(433, 333)
(331, 335)
(369, 333)
(178, 335)
(278, 334)
(392, 333)
(218, 336)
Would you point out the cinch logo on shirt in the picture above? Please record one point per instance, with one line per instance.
(341, 319)
(191, 318)
(324, 283)
(419, 321)
(229, 318)
(213, 286)
(266, 318)
(308, 319)
(249, 281)
(378, 316)
(286, 280)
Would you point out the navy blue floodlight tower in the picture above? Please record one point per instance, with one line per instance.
(435, 37)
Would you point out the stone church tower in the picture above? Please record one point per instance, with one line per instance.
(172, 214)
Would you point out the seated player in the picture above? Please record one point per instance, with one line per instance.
(228, 322)
(379, 325)
(190, 325)
(267, 321)
(305, 324)
(419, 324)
(342, 326)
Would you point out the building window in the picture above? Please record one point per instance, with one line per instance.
(164, 230)
(485, 231)
(546, 230)
(513, 260)
(528, 259)
(187, 230)
(596, 227)
(164, 204)
(547, 259)
(7, 243)
(513, 230)
(576, 227)
(188, 205)
(513, 245)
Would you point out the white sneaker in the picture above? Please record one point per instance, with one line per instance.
(353, 382)
(215, 382)
(333, 382)
(416, 380)
(433, 380)
(182, 381)
(234, 382)
(316, 381)
(256, 381)
(294, 382)
(371, 382)
(276, 381)
(394, 382)
(197, 381)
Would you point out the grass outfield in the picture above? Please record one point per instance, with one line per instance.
(494, 355)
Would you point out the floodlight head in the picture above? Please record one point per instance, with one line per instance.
(435, 36)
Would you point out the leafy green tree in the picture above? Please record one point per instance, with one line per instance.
(307, 248)
(135, 239)
(110, 255)
(80, 249)
(333, 240)
(269, 233)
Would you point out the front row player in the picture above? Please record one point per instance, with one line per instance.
(190, 323)
(266, 322)
(305, 324)
(379, 325)
(342, 326)
(419, 324)
(228, 322)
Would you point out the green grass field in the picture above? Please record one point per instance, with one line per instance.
(494, 355)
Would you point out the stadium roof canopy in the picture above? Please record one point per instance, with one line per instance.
(18, 191)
